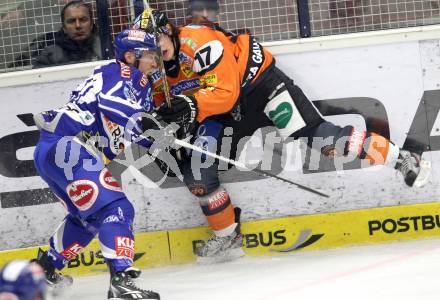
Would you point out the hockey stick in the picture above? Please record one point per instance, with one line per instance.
(243, 166)
(163, 75)
(163, 138)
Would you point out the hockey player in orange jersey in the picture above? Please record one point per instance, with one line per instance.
(218, 80)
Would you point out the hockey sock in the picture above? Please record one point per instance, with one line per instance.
(380, 151)
(56, 259)
(218, 209)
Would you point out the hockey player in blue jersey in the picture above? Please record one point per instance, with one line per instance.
(22, 280)
(101, 117)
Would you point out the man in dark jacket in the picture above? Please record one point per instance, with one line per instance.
(77, 40)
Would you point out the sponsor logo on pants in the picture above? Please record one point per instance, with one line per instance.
(125, 247)
(72, 251)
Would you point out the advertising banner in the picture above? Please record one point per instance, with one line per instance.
(280, 236)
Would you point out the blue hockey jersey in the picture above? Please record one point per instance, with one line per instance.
(104, 109)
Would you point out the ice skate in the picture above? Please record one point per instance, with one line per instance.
(220, 249)
(415, 171)
(54, 279)
(122, 287)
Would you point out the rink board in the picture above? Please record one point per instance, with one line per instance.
(268, 237)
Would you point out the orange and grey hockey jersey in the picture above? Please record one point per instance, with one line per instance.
(214, 68)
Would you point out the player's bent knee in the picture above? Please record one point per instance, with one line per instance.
(121, 210)
(335, 141)
(198, 190)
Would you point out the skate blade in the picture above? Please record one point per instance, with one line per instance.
(224, 256)
(424, 174)
(59, 289)
(131, 298)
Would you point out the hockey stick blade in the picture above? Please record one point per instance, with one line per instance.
(303, 187)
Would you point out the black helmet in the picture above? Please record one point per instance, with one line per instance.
(143, 21)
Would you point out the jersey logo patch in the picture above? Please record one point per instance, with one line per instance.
(115, 133)
(255, 62)
(185, 85)
(125, 71)
(144, 81)
(108, 181)
(210, 79)
(281, 115)
(156, 76)
(217, 200)
(208, 56)
(186, 69)
(188, 41)
(83, 193)
(284, 114)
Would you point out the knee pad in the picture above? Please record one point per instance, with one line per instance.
(207, 184)
(198, 189)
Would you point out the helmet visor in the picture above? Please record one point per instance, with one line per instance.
(147, 55)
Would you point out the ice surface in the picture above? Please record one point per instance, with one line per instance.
(403, 270)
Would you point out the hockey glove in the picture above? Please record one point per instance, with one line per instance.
(143, 21)
(183, 111)
(153, 122)
(161, 20)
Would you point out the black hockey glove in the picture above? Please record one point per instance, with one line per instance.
(154, 121)
(183, 111)
(143, 21)
(161, 19)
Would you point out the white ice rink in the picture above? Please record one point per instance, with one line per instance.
(403, 270)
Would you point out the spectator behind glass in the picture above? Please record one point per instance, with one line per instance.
(202, 10)
(77, 41)
(206, 12)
